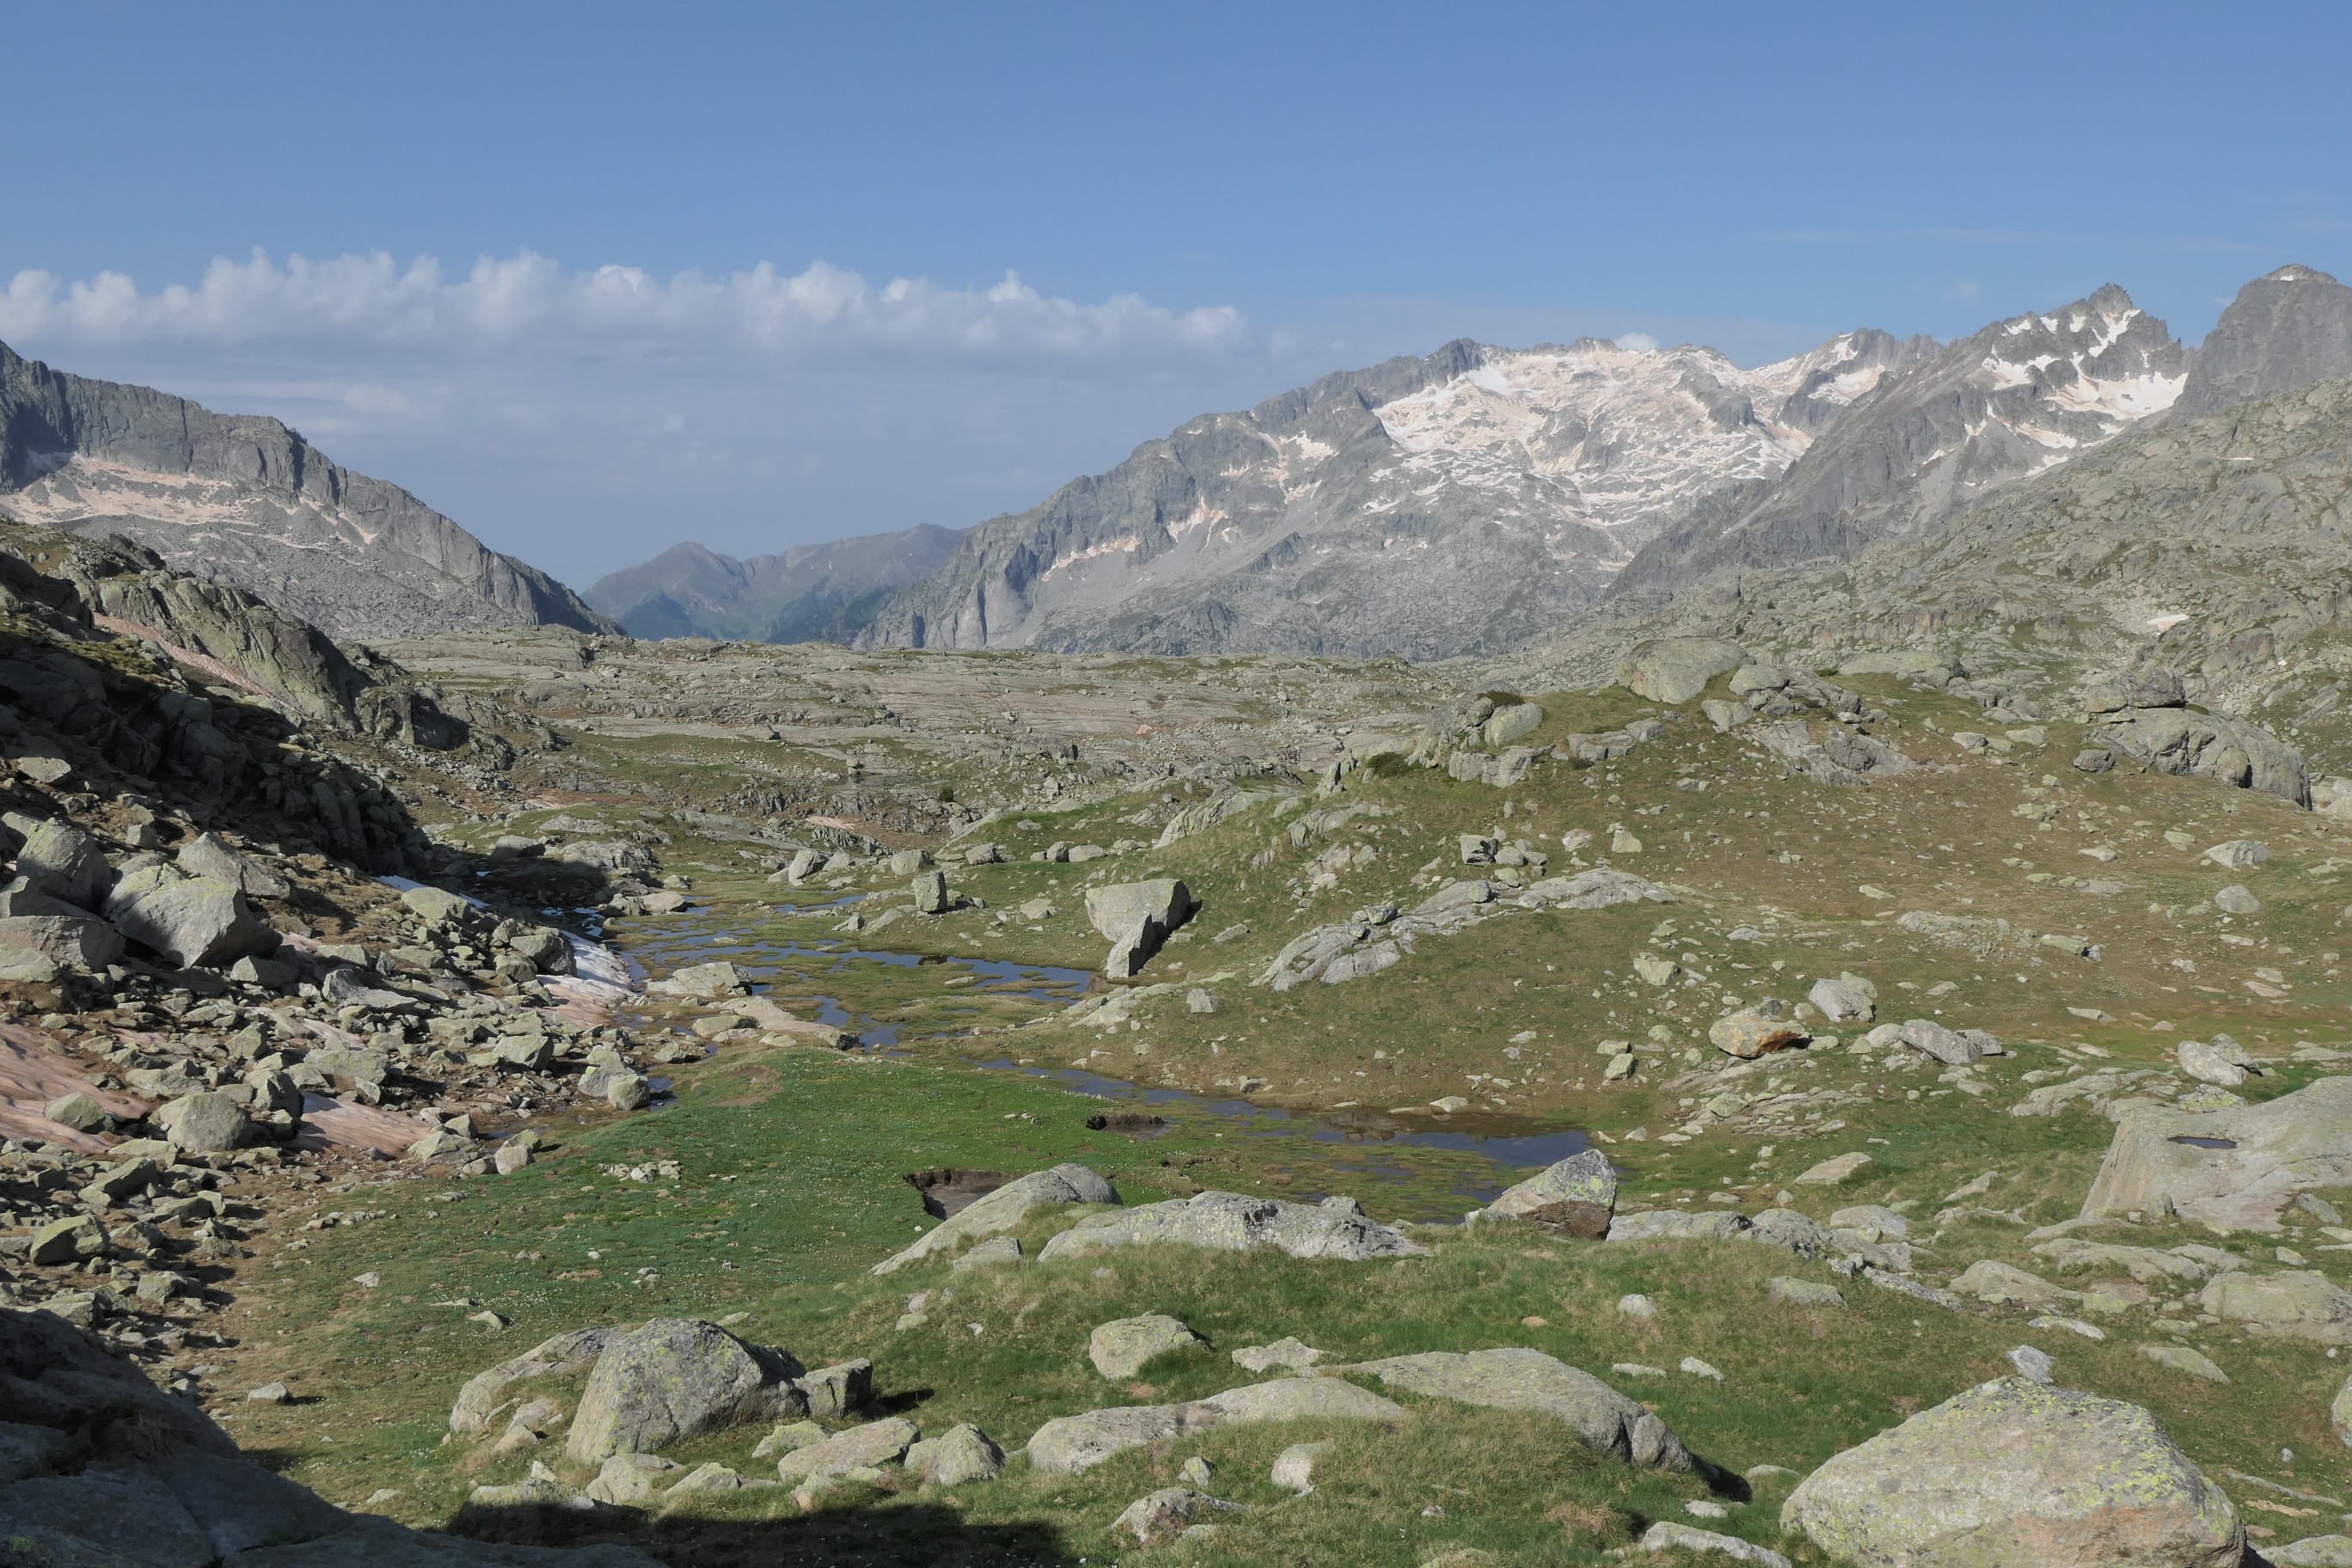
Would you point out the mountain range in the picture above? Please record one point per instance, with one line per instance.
(1482, 499)
(243, 499)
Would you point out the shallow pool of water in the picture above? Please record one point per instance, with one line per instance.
(1502, 1149)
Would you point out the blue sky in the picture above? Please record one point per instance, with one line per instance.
(690, 218)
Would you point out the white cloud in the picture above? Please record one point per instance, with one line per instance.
(1640, 342)
(530, 304)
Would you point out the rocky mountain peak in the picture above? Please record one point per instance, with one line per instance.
(2284, 330)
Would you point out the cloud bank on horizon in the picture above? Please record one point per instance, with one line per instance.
(530, 303)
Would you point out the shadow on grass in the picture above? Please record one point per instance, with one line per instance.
(914, 1535)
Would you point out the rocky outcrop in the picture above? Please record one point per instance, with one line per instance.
(1071, 1445)
(1336, 1228)
(343, 552)
(2239, 1168)
(677, 1378)
(1137, 917)
(1576, 1196)
(1003, 1209)
(1673, 670)
(1518, 1379)
(104, 1468)
(2017, 1471)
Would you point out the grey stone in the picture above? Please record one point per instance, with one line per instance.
(839, 1390)
(2312, 1552)
(1806, 1293)
(1673, 670)
(78, 1111)
(1665, 1535)
(1158, 1518)
(963, 1454)
(1006, 1209)
(2004, 1285)
(996, 1252)
(68, 1240)
(1789, 1230)
(708, 981)
(1287, 1352)
(1674, 1224)
(1072, 1444)
(1229, 1222)
(72, 942)
(210, 854)
(1576, 1196)
(1511, 723)
(1930, 1038)
(1120, 1349)
(1518, 1379)
(188, 921)
(1842, 1003)
(66, 863)
(2300, 1304)
(2237, 898)
(871, 1447)
(677, 1378)
(629, 1478)
(1137, 917)
(1293, 1467)
(2180, 1358)
(1599, 889)
(129, 1511)
(932, 894)
(2014, 1472)
(628, 1091)
(207, 1121)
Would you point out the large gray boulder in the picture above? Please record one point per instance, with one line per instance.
(210, 854)
(963, 1453)
(61, 860)
(1575, 1197)
(1005, 1209)
(1071, 1445)
(188, 921)
(871, 1447)
(71, 941)
(1514, 1378)
(1137, 917)
(677, 1378)
(1673, 670)
(565, 1355)
(207, 1121)
(1229, 1222)
(2017, 1471)
(2238, 1168)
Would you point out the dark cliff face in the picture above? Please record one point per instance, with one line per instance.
(247, 501)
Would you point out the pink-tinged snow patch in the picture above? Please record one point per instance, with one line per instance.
(32, 1074)
(329, 1123)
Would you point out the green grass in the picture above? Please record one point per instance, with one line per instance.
(815, 1144)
